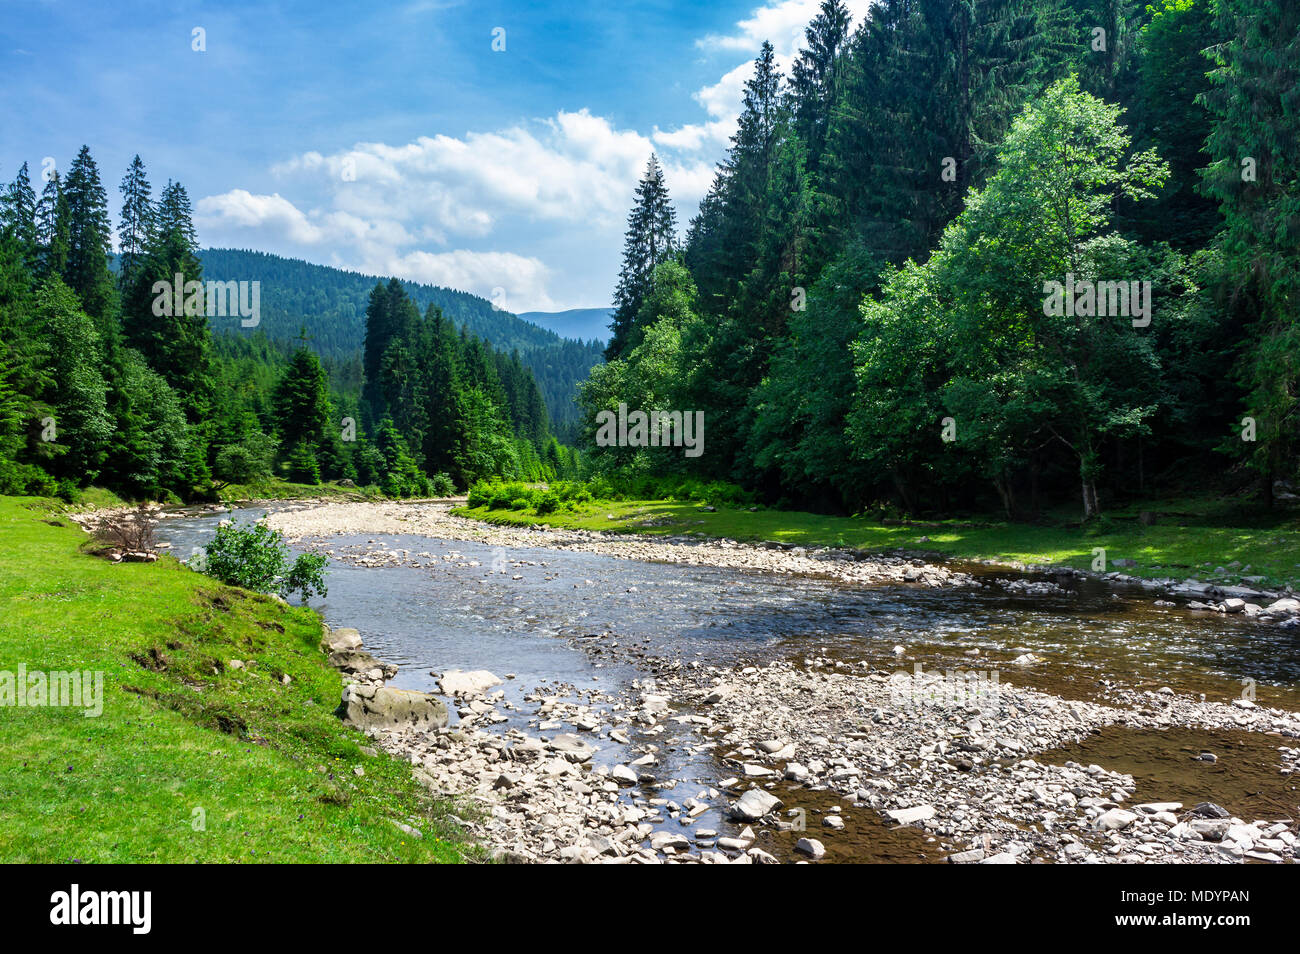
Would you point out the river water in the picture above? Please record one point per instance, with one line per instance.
(542, 630)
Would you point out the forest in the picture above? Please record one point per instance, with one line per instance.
(1002, 256)
(104, 382)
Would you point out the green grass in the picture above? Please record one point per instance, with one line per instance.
(1192, 538)
(269, 765)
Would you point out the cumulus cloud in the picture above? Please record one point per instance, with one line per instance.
(399, 209)
(520, 211)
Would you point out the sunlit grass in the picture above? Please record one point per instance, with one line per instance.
(191, 760)
(1190, 539)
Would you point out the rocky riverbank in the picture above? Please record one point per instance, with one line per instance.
(435, 520)
(807, 750)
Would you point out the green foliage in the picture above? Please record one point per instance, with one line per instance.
(255, 557)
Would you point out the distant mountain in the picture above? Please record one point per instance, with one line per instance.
(585, 324)
(331, 304)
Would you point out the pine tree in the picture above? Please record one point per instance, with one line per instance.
(173, 215)
(651, 239)
(136, 222)
(52, 224)
(90, 246)
(18, 216)
(390, 316)
(1254, 144)
(814, 78)
(175, 341)
(303, 413)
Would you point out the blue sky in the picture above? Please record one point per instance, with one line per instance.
(391, 137)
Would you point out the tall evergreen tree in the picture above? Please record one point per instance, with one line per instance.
(52, 225)
(1254, 144)
(18, 216)
(651, 239)
(90, 246)
(814, 78)
(136, 222)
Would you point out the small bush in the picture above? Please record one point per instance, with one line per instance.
(132, 532)
(255, 557)
(440, 485)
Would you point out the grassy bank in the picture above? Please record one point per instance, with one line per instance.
(191, 759)
(1191, 538)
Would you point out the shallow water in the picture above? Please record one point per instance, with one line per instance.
(444, 616)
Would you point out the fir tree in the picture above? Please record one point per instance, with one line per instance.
(651, 239)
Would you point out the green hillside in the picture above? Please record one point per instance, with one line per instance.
(331, 304)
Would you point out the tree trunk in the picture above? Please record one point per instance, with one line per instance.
(1005, 493)
(904, 494)
(1090, 506)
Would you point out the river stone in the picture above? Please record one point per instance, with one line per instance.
(811, 847)
(668, 839)
(342, 639)
(387, 708)
(1155, 808)
(456, 682)
(754, 804)
(572, 747)
(905, 816)
(360, 661)
(623, 775)
(1115, 819)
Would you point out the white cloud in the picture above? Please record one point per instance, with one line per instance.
(531, 209)
(783, 25)
(513, 282)
(395, 209)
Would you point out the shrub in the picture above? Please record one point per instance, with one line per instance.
(131, 531)
(255, 557)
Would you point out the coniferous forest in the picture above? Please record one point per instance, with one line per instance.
(104, 382)
(1000, 255)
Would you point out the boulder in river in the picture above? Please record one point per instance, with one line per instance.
(456, 682)
(342, 639)
(360, 661)
(383, 708)
(754, 804)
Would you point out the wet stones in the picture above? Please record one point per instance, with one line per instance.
(754, 804)
(455, 682)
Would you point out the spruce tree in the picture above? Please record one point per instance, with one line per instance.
(90, 246)
(136, 221)
(651, 239)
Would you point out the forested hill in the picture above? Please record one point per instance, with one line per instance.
(331, 304)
